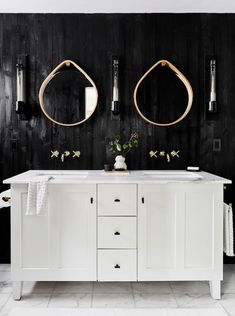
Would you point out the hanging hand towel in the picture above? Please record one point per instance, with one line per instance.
(228, 230)
(37, 195)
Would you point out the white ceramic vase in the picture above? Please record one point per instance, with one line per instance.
(120, 163)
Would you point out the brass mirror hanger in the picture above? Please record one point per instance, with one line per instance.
(166, 63)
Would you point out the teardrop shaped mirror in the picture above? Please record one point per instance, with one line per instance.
(163, 96)
(68, 96)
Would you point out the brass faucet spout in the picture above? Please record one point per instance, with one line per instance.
(66, 153)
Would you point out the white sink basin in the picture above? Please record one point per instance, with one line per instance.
(69, 176)
(173, 175)
(65, 175)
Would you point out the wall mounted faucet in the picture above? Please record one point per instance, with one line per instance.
(163, 153)
(66, 153)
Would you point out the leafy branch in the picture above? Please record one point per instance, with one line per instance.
(115, 146)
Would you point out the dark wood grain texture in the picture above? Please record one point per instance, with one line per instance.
(139, 40)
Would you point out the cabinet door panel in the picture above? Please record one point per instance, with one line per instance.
(158, 235)
(180, 232)
(161, 230)
(73, 229)
(199, 228)
(61, 243)
(34, 238)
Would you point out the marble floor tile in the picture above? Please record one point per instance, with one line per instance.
(228, 300)
(112, 287)
(70, 300)
(3, 299)
(152, 287)
(172, 312)
(37, 287)
(113, 300)
(143, 312)
(196, 301)
(6, 287)
(84, 300)
(190, 287)
(230, 311)
(154, 300)
(73, 287)
(27, 301)
(65, 312)
(118, 312)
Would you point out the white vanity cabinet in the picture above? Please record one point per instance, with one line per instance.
(126, 228)
(59, 244)
(180, 233)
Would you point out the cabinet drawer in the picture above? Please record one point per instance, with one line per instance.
(117, 199)
(117, 232)
(117, 265)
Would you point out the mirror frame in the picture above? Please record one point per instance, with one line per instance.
(50, 77)
(186, 83)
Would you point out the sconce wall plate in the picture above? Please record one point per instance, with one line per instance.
(66, 63)
(181, 77)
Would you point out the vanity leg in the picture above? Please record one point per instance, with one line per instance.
(215, 289)
(17, 290)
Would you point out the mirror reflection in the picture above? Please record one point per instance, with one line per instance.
(161, 96)
(69, 96)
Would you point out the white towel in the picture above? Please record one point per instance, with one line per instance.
(5, 198)
(37, 195)
(228, 230)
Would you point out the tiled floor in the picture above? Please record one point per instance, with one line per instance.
(120, 295)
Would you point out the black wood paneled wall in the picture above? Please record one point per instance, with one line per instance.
(140, 40)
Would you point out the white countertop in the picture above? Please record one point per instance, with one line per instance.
(99, 176)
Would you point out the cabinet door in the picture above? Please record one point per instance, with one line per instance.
(73, 231)
(180, 232)
(159, 223)
(61, 243)
(203, 242)
(29, 238)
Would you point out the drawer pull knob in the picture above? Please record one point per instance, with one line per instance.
(116, 200)
(91, 200)
(142, 200)
(117, 233)
(117, 266)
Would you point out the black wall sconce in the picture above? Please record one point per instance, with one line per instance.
(115, 108)
(211, 105)
(22, 108)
